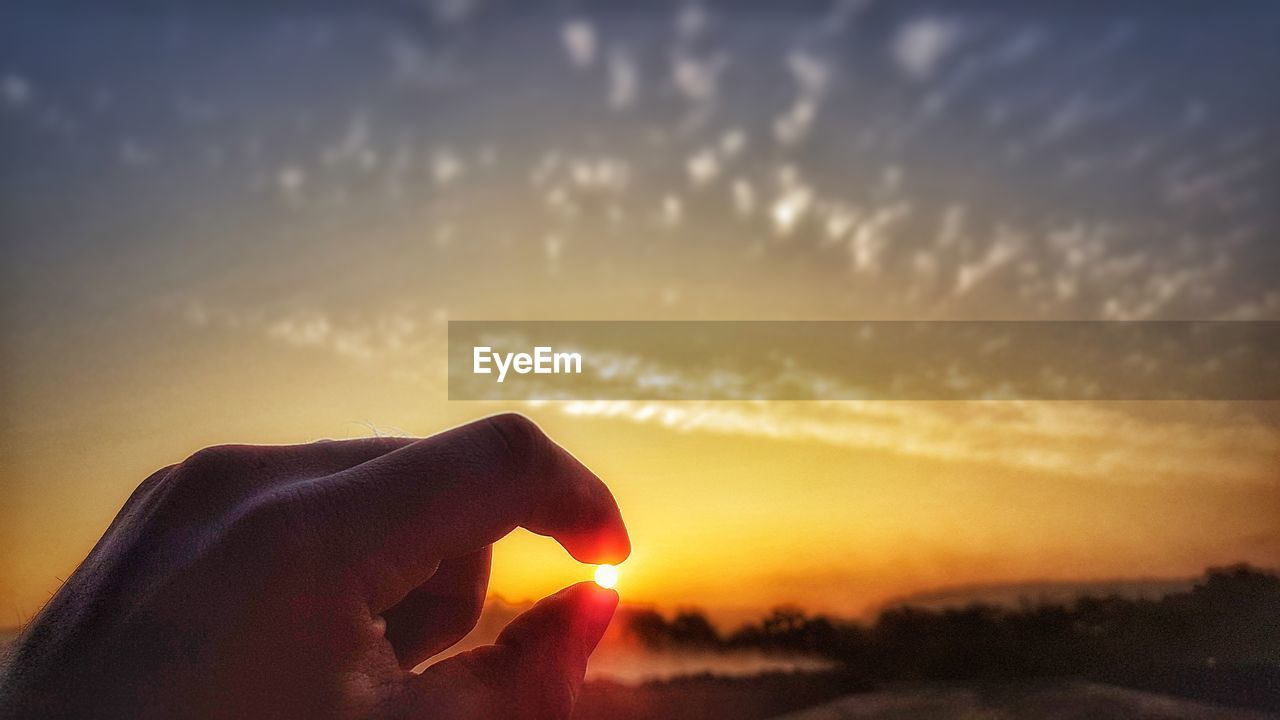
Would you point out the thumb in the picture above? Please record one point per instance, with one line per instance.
(535, 669)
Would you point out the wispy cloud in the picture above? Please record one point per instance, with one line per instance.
(1062, 439)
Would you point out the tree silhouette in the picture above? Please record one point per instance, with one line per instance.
(1220, 641)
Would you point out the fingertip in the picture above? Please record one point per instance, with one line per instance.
(563, 629)
(593, 608)
(616, 552)
(537, 665)
(593, 596)
(586, 609)
(600, 549)
(605, 601)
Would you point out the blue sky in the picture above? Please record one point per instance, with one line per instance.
(245, 221)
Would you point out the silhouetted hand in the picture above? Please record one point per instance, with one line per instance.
(307, 581)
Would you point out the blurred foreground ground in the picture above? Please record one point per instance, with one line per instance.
(787, 696)
(826, 696)
(1061, 700)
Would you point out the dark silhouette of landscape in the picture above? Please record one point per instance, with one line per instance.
(1214, 644)
(1217, 642)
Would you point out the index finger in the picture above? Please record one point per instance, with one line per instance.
(453, 493)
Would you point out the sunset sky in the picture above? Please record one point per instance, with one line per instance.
(235, 223)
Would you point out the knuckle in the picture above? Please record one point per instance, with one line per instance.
(202, 483)
(143, 495)
(214, 460)
(522, 437)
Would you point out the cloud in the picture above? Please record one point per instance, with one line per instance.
(792, 127)
(624, 80)
(697, 78)
(413, 66)
(1067, 439)
(790, 207)
(290, 180)
(744, 197)
(15, 90)
(1000, 252)
(446, 166)
(134, 154)
(923, 43)
(354, 147)
(811, 76)
(579, 40)
(691, 21)
(671, 212)
(1194, 442)
(400, 342)
(452, 11)
(703, 167)
(871, 237)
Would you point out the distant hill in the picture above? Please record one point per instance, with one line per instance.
(1039, 592)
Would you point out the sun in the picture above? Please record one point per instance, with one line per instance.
(606, 576)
